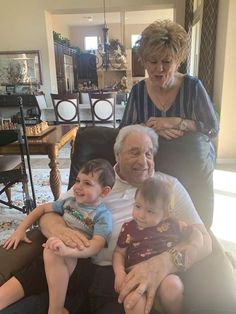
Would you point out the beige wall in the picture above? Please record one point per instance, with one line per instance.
(27, 25)
(225, 80)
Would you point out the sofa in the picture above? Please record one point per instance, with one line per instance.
(210, 285)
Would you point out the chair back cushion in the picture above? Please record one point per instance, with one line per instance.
(188, 159)
(66, 107)
(92, 142)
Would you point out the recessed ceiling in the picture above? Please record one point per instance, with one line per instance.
(131, 17)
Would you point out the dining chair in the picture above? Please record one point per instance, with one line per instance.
(102, 106)
(13, 170)
(66, 108)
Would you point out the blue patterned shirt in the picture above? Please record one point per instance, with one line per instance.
(192, 102)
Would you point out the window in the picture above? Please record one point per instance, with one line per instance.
(134, 38)
(91, 42)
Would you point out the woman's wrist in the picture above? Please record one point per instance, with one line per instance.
(187, 125)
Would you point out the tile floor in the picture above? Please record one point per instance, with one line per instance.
(225, 196)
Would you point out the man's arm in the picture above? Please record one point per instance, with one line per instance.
(53, 225)
(58, 246)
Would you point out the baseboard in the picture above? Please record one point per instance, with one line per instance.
(227, 161)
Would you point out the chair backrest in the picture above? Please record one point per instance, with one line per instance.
(41, 101)
(8, 137)
(66, 108)
(103, 107)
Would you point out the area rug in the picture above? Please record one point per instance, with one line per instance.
(10, 218)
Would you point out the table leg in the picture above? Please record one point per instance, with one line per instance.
(55, 176)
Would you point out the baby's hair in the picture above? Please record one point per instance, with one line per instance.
(154, 189)
(106, 172)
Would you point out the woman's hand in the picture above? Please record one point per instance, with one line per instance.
(145, 277)
(163, 123)
(15, 238)
(166, 127)
(170, 134)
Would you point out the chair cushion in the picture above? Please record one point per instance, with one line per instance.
(9, 162)
(92, 142)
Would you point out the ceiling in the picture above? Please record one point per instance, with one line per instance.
(130, 17)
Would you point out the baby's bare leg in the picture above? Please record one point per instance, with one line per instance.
(139, 306)
(171, 294)
(10, 292)
(58, 270)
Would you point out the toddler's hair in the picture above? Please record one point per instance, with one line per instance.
(154, 189)
(106, 172)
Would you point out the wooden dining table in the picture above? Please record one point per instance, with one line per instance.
(49, 143)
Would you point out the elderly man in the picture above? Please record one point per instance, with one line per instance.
(134, 150)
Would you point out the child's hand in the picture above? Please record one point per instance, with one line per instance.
(15, 238)
(119, 280)
(56, 245)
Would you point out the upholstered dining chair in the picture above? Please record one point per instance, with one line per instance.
(66, 108)
(103, 107)
(13, 170)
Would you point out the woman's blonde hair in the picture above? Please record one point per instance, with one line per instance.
(163, 38)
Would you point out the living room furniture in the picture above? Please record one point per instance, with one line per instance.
(65, 81)
(9, 106)
(97, 142)
(13, 170)
(66, 108)
(49, 143)
(103, 107)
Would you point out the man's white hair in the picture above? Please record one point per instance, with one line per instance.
(135, 128)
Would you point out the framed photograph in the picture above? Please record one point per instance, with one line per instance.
(10, 89)
(20, 67)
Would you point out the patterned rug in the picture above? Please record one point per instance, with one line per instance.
(10, 218)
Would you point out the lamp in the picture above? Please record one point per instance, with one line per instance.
(105, 40)
(110, 56)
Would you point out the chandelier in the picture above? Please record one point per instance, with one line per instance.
(111, 55)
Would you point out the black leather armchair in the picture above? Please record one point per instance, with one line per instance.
(210, 285)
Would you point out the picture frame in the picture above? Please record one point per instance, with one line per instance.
(10, 89)
(20, 67)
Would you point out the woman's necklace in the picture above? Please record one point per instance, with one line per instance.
(162, 104)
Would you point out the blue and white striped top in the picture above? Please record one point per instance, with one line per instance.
(192, 102)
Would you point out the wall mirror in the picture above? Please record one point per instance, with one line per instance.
(20, 67)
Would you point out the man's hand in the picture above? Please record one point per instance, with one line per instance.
(53, 225)
(73, 238)
(145, 277)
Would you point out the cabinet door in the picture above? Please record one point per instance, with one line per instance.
(86, 67)
(59, 55)
(137, 66)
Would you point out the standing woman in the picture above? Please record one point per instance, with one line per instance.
(173, 104)
(168, 101)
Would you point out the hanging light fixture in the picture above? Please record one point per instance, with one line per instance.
(105, 30)
(110, 57)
